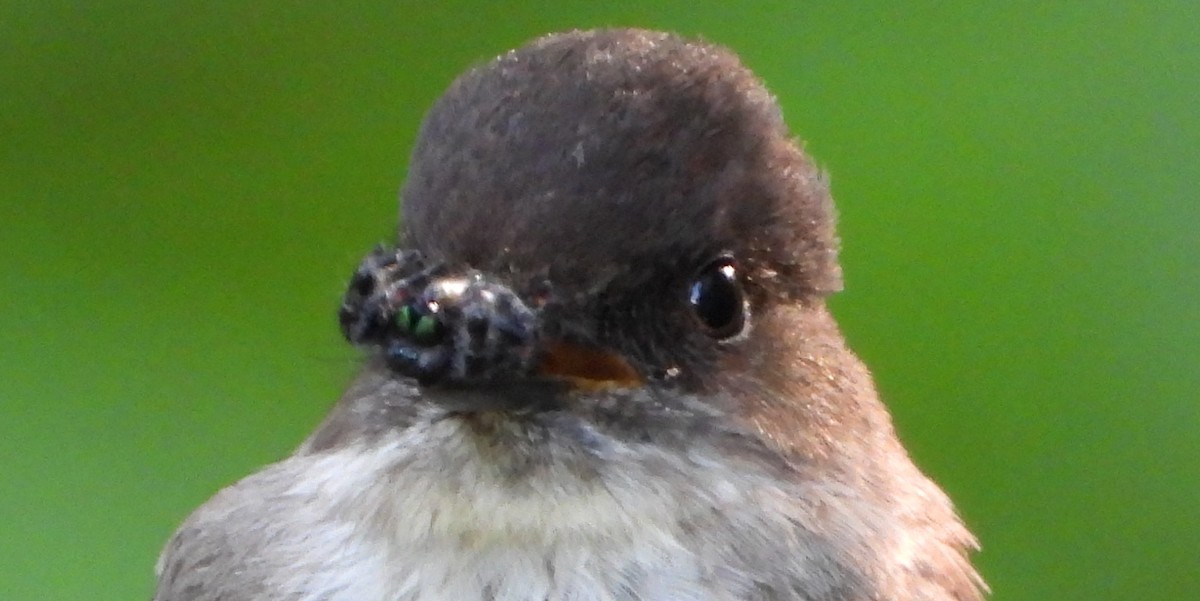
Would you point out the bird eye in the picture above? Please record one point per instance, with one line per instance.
(716, 299)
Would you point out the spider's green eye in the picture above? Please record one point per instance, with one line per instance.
(428, 330)
(406, 319)
(422, 328)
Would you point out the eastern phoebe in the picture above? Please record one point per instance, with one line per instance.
(600, 368)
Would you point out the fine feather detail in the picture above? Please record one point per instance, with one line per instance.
(420, 515)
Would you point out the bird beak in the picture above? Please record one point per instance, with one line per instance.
(586, 368)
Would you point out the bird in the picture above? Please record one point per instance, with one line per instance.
(597, 364)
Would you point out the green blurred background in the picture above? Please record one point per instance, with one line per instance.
(185, 186)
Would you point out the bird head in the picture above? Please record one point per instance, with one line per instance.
(597, 212)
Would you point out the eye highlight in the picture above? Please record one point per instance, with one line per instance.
(716, 298)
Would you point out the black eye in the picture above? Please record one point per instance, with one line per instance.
(716, 298)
